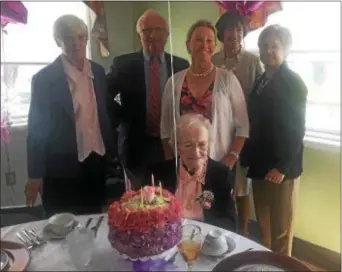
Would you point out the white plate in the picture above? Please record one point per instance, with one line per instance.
(231, 247)
(4, 261)
(18, 256)
(259, 267)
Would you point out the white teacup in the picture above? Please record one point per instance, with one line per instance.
(215, 243)
(61, 223)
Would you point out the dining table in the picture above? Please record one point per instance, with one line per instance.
(54, 256)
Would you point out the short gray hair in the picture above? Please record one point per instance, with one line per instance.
(145, 15)
(282, 33)
(190, 120)
(65, 24)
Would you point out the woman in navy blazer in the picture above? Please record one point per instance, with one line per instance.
(274, 150)
(69, 130)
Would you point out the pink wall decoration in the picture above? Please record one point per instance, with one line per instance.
(13, 12)
(256, 12)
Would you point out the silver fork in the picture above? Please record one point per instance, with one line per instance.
(33, 240)
(30, 238)
(36, 237)
(29, 246)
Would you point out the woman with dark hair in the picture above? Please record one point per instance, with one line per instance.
(231, 30)
(274, 151)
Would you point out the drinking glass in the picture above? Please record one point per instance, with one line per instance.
(190, 244)
(80, 247)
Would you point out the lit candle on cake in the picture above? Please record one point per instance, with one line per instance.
(152, 180)
(161, 191)
(142, 197)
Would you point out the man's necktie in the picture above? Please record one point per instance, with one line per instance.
(153, 118)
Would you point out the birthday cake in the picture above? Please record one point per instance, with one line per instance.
(145, 223)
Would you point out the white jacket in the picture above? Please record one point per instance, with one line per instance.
(229, 113)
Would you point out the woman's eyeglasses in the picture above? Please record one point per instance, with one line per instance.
(191, 145)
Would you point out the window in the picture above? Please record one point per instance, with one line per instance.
(26, 49)
(315, 55)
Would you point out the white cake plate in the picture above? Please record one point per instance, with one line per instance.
(166, 255)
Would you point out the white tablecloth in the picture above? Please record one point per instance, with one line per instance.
(54, 256)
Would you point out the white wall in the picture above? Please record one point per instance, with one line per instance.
(14, 195)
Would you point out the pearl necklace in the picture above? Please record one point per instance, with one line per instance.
(236, 60)
(205, 73)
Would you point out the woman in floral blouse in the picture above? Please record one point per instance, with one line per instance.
(210, 91)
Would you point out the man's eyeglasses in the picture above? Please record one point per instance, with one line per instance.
(156, 30)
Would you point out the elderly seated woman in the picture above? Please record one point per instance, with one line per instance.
(197, 175)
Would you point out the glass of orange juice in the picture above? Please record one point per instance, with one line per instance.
(190, 244)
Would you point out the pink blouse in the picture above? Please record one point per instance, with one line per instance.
(188, 189)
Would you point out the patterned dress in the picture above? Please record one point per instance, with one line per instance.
(202, 105)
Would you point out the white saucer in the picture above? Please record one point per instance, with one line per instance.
(231, 247)
(50, 235)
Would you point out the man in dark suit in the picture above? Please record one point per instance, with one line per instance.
(139, 78)
(69, 130)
